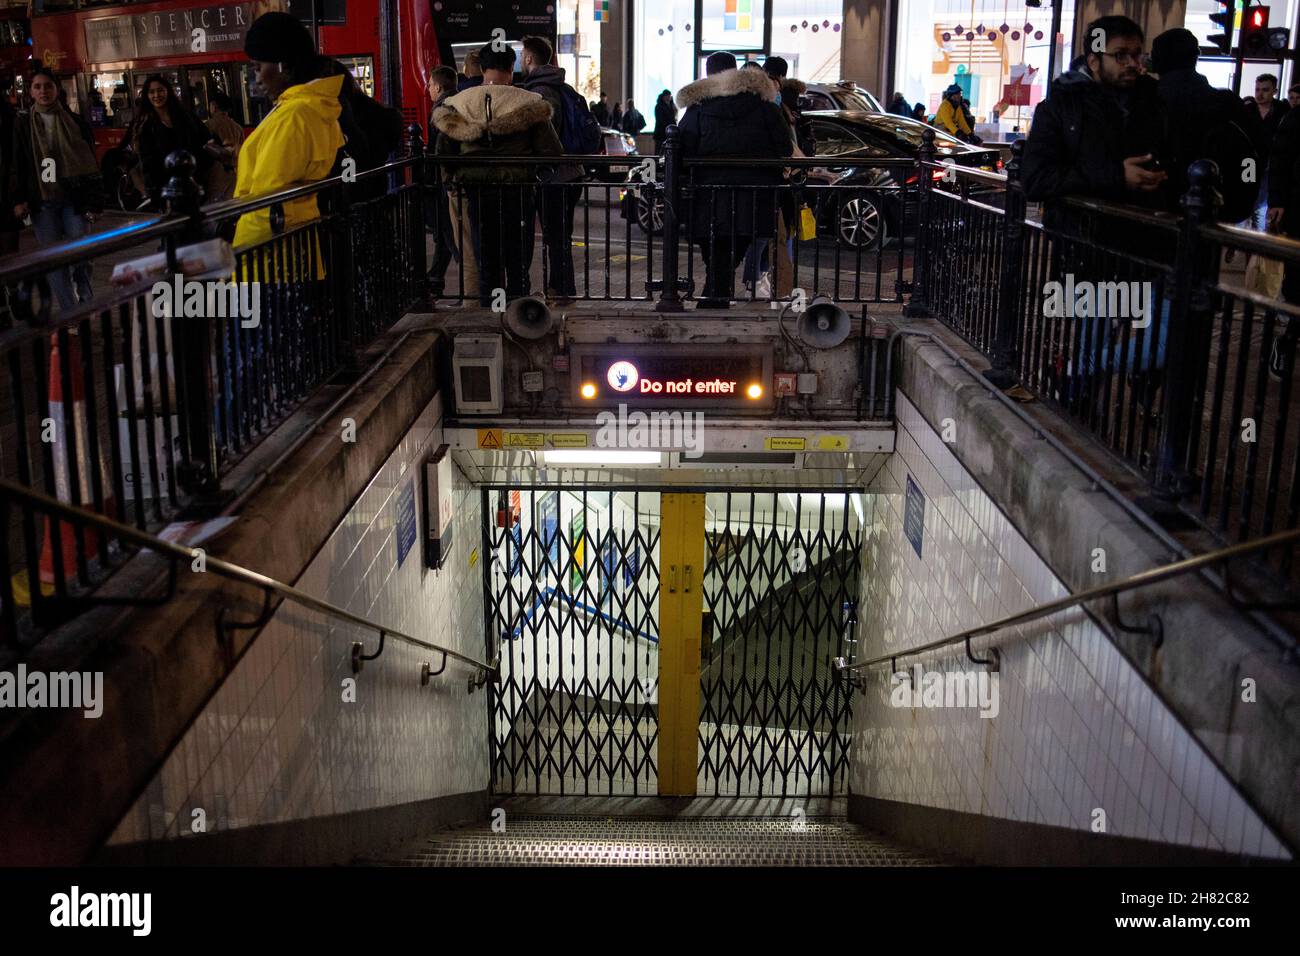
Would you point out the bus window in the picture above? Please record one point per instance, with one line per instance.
(259, 104)
(362, 69)
(216, 78)
(52, 6)
(109, 104)
(68, 93)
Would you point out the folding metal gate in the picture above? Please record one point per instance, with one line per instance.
(717, 679)
(780, 596)
(572, 593)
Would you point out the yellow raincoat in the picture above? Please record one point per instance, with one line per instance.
(296, 144)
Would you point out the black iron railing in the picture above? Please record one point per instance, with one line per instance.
(1182, 373)
(135, 406)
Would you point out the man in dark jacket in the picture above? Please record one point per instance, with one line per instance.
(1102, 134)
(600, 109)
(731, 113)
(558, 196)
(633, 121)
(442, 84)
(1263, 118)
(497, 119)
(1196, 110)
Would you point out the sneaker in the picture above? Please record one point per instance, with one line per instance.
(1279, 360)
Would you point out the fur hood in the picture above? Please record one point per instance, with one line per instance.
(464, 116)
(727, 83)
(792, 89)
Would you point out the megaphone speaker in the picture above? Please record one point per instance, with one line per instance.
(529, 317)
(823, 325)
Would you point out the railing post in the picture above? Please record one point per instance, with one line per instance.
(197, 471)
(918, 305)
(1004, 370)
(670, 296)
(418, 254)
(1190, 314)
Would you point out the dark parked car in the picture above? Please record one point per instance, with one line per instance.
(844, 95)
(867, 219)
(860, 219)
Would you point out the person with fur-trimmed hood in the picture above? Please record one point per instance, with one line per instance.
(497, 119)
(731, 113)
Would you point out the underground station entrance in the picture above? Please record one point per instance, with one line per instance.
(673, 546)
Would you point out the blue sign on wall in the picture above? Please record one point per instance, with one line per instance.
(914, 515)
(406, 530)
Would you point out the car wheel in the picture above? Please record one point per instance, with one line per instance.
(650, 214)
(861, 223)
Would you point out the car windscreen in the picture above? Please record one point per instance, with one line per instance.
(859, 100)
(908, 132)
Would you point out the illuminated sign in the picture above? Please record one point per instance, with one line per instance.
(736, 376)
(209, 29)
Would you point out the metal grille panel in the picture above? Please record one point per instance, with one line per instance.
(780, 593)
(572, 596)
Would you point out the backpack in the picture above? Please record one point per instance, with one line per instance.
(1230, 148)
(580, 132)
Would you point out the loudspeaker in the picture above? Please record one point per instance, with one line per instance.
(529, 317)
(823, 325)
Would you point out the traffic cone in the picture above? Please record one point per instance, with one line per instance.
(61, 408)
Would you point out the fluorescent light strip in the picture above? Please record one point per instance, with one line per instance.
(589, 457)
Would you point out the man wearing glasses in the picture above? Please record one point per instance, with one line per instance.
(1103, 133)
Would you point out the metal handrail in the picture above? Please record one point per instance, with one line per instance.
(227, 569)
(1143, 578)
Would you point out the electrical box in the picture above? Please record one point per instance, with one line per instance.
(439, 507)
(476, 367)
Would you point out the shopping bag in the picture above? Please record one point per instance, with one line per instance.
(807, 224)
(1264, 276)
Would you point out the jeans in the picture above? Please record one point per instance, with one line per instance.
(1101, 348)
(556, 205)
(57, 222)
(501, 222)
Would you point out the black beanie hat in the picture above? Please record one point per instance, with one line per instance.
(719, 62)
(1176, 49)
(279, 38)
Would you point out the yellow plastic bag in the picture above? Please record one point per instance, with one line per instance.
(807, 224)
(1264, 275)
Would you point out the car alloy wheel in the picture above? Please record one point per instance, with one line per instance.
(861, 225)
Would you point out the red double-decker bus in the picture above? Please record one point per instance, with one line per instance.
(103, 51)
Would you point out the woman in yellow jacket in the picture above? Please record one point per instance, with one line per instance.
(299, 139)
(951, 117)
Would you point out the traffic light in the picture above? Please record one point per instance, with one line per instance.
(1258, 39)
(1254, 29)
(1225, 19)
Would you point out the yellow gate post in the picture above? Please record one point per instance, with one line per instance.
(681, 609)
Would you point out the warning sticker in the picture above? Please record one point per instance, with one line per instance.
(568, 439)
(473, 557)
(489, 438)
(833, 443)
(525, 439)
(784, 443)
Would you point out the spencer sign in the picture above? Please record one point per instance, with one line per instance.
(217, 28)
(672, 375)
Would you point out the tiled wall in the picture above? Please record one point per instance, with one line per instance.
(278, 742)
(1077, 729)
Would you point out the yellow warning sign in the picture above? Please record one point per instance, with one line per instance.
(784, 443)
(525, 439)
(489, 438)
(473, 557)
(833, 443)
(568, 439)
